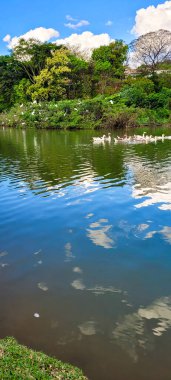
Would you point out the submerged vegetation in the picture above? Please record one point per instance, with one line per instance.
(20, 363)
(49, 86)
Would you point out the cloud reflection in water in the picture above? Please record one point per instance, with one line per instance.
(98, 232)
(151, 183)
(165, 231)
(134, 333)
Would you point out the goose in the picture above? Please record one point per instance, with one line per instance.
(99, 139)
(147, 138)
(126, 138)
(153, 139)
(140, 137)
(161, 137)
(108, 138)
(119, 138)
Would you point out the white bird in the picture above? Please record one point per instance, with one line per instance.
(140, 137)
(108, 138)
(99, 139)
(161, 137)
(153, 139)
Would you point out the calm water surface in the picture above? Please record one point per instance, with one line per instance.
(85, 242)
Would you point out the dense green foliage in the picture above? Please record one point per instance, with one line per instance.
(20, 363)
(117, 111)
(46, 72)
(10, 76)
(49, 86)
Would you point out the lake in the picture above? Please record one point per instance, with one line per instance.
(85, 251)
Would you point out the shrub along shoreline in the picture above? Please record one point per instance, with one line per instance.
(99, 112)
(20, 363)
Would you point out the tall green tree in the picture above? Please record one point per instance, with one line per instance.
(10, 75)
(20, 94)
(109, 63)
(52, 82)
(31, 56)
(80, 79)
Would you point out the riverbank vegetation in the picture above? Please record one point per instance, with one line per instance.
(21, 363)
(48, 86)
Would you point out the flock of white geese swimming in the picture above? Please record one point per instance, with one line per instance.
(131, 139)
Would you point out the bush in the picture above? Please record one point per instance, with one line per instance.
(107, 112)
(159, 100)
(137, 91)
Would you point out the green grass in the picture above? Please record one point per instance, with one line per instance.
(18, 362)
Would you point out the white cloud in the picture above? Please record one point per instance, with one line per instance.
(70, 18)
(109, 23)
(79, 24)
(85, 42)
(41, 34)
(7, 38)
(153, 18)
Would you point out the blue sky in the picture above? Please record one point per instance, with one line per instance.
(17, 16)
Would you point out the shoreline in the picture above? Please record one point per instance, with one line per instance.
(27, 363)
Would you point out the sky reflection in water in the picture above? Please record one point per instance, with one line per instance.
(85, 237)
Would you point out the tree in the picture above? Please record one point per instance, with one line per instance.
(20, 94)
(152, 48)
(52, 81)
(111, 57)
(31, 56)
(109, 63)
(10, 75)
(136, 92)
(80, 78)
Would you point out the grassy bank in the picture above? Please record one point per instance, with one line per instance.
(20, 363)
(100, 112)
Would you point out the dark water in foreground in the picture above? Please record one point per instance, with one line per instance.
(85, 242)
